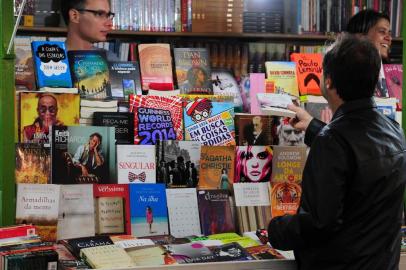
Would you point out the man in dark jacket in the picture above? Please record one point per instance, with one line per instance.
(353, 182)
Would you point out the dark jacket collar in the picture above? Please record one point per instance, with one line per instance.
(354, 105)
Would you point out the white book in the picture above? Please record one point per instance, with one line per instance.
(251, 194)
(99, 103)
(183, 212)
(76, 210)
(136, 164)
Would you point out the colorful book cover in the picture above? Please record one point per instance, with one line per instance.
(264, 252)
(225, 84)
(125, 79)
(256, 86)
(309, 71)
(215, 211)
(394, 79)
(194, 252)
(122, 121)
(83, 154)
(183, 212)
(39, 111)
(24, 65)
(156, 118)
(76, 210)
(288, 164)
(119, 194)
(210, 123)
(51, 64)
(231, 252)
(285, 198)
(281, 77)
(216, 167)
(136, 164)
(193, 70)
(156, 66)
(178, 163)
(255, 129)
(253, 164)
(149, 214)
(33, 163)
(90, 73)
(286, 135)
(38, 204)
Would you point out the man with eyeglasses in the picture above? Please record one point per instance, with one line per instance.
(47, 110)
(88, 22)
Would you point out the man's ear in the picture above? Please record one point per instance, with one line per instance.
(73, 16)
(328, 83)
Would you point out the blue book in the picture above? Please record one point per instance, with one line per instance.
(51, 64)
(149, 215)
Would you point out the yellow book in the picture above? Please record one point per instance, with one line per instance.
(281, 78)
(106, 257)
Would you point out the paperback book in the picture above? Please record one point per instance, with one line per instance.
(255, 129)
(33, 163)
(281, 78)
(253, 164)
(83, 155)
(225, 84)
(125, 79)
(24, 66)
(309, 72)
(123, 122)
(394, 79)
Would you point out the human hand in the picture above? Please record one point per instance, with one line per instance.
(84, 170)
(302, 119)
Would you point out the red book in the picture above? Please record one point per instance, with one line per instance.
(17, 231)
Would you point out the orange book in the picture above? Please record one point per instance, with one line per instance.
(285, 198)
(309, 71)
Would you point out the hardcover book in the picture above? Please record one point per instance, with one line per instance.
(193, 70)
(83, 155)
(309, 71)
(178, 163)
(122, 121)
(216, 167)
(281, 77)
(90, 73)
(149, 215)
(254, 129)
(39, 111)
(136, 164)
(33, 163)
(112, 208)
(215, 211)
(51, 64)
(394, 79)
(125, 79)
(253, 164)
(38, 204)
(156, 118)
(210, 123)
(76, 210)
(183, 212)
(156, 66)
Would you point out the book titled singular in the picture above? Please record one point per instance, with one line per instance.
(51, 64)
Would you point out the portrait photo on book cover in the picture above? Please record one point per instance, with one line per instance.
(253, 164)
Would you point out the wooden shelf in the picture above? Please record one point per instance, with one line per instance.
(249, 36)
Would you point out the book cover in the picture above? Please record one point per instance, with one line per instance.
(255, 129)
(225, 84)
(215, 211)
(264, 252)
(231, 252)
(151, 256)
(318, 107)
(106, 257)
(394, 79)
(38, 204)
(106, 222)
(33, 163)
(76, 210)
(256, 85)
(136, 164)
(122, 121)
(156, 118)
(285, 198)
(309, 71)
(90, 73)
(193, 70)
(286, 135)
(83, 154)
(17, 231)
(125, 79)
(251, 194)
(281, 78)
(74, 245)
(178, 163)
(288, 163)
(183, 212)
(216, 167)
(149, 214)
(253, 164)
(210, 123)
(51, 64)
(194, 252)
(156, 66)
(39, 111)
(24, 65)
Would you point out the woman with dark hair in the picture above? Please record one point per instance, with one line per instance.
(254, 164)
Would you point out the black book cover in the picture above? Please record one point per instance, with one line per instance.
(122, 121)
(124, 79)
(76, 244)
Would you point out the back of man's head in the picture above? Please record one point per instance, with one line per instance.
(353, 64)
(67, 5)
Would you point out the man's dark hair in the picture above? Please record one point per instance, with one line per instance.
(97, 135)
(364, 20)
(67, 5)
(353, 64)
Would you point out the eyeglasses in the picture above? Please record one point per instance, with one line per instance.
(44, 109)
(99, 13)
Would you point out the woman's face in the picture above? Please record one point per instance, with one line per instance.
(380, 35)
(257, 163)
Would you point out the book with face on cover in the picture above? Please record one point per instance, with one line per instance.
(253, 164)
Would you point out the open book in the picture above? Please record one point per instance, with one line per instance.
(275, 104)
